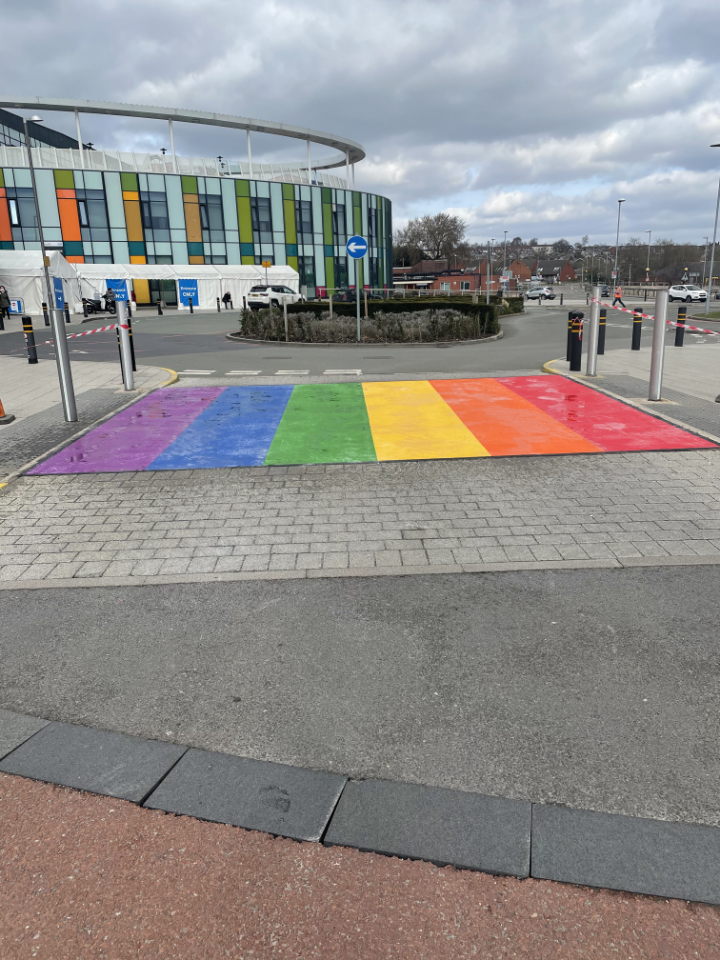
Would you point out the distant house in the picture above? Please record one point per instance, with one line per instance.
(552, 271)
(519, 270)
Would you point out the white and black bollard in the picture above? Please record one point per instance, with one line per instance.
(62, 359)
(658, 346)
(125, 354)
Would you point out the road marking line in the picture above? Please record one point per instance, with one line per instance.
(338, 373)
(242, 373)
(291, 373)
(195, 373)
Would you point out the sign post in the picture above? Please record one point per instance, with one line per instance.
(357, 248)
(266, 264)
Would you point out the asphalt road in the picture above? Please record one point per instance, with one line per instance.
(594, 688)
(199, 342)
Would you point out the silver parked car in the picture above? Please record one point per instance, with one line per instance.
(688, 292)
(540, 293)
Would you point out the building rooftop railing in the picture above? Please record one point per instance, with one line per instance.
(63, 159)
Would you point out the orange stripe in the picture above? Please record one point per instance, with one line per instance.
(69, 220)
(505, 423)
(66, 194)
(5, 228)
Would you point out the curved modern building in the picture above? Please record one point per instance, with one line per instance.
(100, 206)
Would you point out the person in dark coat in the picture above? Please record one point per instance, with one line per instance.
(4, 303)
(227, 299)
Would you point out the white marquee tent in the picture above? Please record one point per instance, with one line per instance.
(22, 275)
(213, 280)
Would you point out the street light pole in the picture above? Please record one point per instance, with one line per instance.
(505, 254)
(617, 240)
(487, 282)
(62, 358)
(712, 251)
(707, 241)
(647, 268)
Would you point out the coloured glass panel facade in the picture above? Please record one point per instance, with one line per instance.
(110, 217)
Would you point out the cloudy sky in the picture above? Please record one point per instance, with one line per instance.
(531, 116)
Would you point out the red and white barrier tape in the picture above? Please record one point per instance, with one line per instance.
(86, 333)
(649, 316)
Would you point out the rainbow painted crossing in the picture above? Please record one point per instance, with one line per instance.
(205, 427)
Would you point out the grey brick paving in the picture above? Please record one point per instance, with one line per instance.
(385, 516)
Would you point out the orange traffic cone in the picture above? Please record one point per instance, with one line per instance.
(5, 417)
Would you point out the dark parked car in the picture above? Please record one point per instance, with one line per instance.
(604, 290)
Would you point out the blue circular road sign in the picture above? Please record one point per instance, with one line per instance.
(357, 247)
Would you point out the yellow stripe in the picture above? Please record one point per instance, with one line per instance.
(410, 421)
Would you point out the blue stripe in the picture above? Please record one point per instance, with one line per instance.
(236, 430)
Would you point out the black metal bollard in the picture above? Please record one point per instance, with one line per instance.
(601, 331)
(132, 345)
(680, 328)
(646, 296)
(636, 328)
(159, 306)
(218, 303)
(84, 303)
(569, 334)
(30, 339)
(46, 315)
(561, 298)
(127, 305)
(67, 312)
(576, 341)
(191, 304)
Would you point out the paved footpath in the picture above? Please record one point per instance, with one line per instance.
(444, 516)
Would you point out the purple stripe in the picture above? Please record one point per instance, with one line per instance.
(134, 438)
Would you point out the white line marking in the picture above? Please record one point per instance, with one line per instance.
(195, 373)
(337, 373)
(291, 373)
(242, 373)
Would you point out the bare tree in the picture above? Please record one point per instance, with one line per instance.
(434, 238)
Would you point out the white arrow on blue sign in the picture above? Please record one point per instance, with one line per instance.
(357, 247)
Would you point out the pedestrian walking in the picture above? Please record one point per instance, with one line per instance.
(618, 296)
(4, 303)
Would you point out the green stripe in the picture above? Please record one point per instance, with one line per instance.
(324, 423)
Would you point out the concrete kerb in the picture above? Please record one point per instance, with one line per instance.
(137, 395)
(463, 829)
(650, 407)
(79, 583)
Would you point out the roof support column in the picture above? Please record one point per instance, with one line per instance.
(309, 170)
(172, 146)
(249, 155)
(347, 169)
(79, 138)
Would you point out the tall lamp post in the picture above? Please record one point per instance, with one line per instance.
(647, 268)
(617, 241)
(712, 251)
(707, 241)
(487, 282)
(62, 357)
(505, 254)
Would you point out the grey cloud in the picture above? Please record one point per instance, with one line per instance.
(460, 99)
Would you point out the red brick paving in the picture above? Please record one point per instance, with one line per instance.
(85, 877)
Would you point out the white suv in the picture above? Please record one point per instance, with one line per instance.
(540, 293)
(271, 296)
(687, 292)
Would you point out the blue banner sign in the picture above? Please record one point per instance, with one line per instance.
(187, 289)
(119, 287)
(59, 293)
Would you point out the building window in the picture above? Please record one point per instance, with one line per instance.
(303, 219)
(154, 210)
(82, 213)
(464, 284)
(339, 222)
(444, 286)
(261, 219)
(372, 226)
(14, 218)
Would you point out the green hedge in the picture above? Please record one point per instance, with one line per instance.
(389, 326)
(496, 308)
